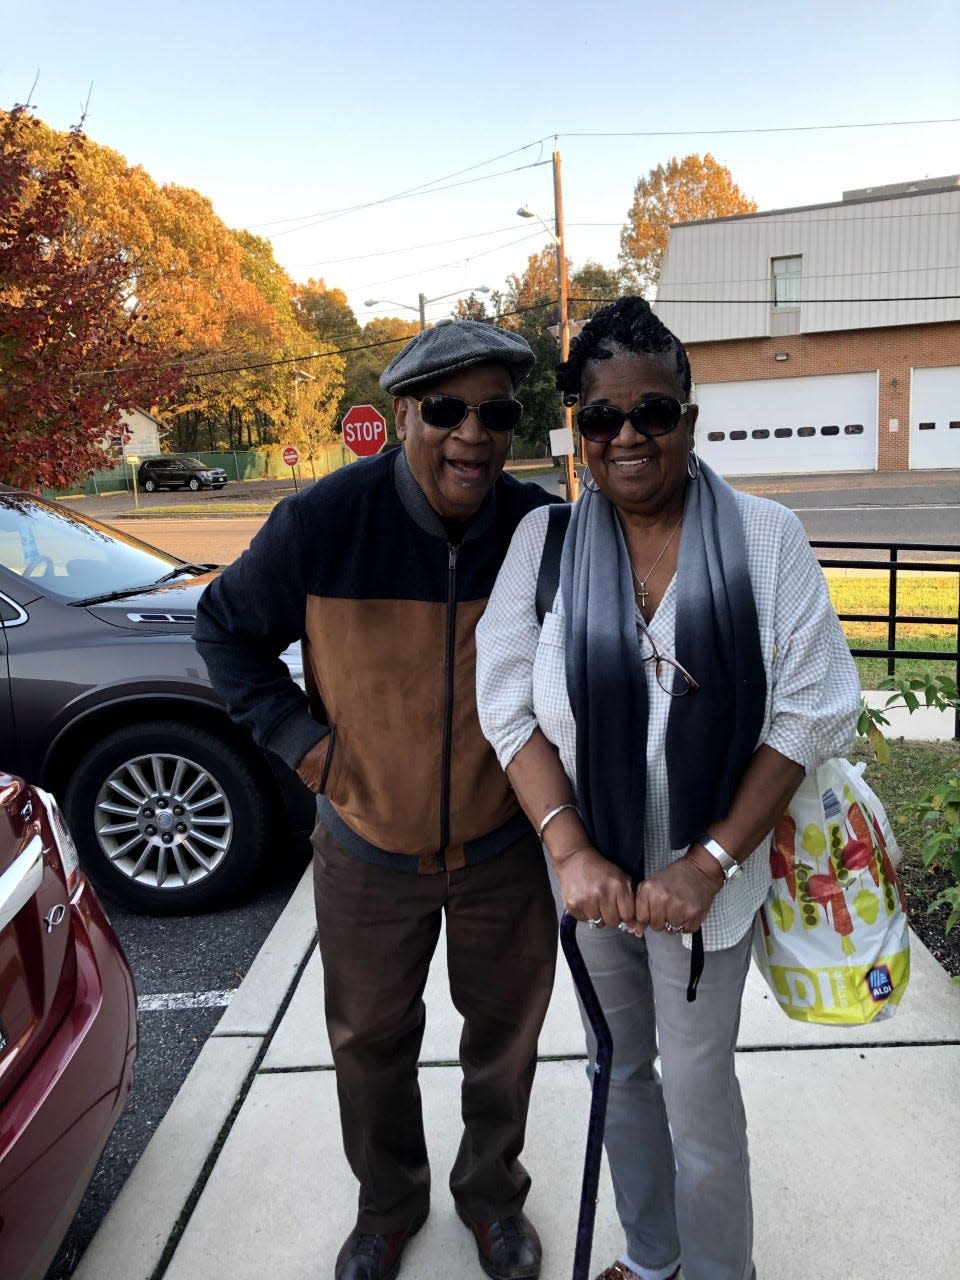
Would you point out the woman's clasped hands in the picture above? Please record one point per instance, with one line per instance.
(675, 900)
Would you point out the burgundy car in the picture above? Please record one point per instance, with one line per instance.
(68, 1029)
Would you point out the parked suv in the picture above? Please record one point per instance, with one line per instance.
(105, 701)
(176, 472)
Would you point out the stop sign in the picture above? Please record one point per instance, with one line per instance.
(290, 456)
(364, 430)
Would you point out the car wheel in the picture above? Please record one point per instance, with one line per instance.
(149, 486)
(193, 484)
(168, 818)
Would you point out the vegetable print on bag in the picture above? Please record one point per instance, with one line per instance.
(831, 939)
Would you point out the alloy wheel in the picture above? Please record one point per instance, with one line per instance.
(163, 820)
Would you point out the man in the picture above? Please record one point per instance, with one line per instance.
(384, 568)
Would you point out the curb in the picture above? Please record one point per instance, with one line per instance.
(140, 1232)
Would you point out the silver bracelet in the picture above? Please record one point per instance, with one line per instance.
(552, 814)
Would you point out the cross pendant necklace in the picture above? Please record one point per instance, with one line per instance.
(641, 591)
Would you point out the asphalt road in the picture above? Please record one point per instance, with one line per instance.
(911, 507)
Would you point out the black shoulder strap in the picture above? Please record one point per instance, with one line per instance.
(548, 579)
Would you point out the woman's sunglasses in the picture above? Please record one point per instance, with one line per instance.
(654, 415)
(447, 412)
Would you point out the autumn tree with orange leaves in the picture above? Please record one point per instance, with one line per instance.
(73, 355)
(686, 190)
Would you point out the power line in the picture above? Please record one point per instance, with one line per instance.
(302, 358)
(535, 164)
(786, 128)
(412, 248)
(539, 305)
(399, 195)
(442, 266)
(311, 219)
(767, 302)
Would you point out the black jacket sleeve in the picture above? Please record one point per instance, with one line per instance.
(245, 619)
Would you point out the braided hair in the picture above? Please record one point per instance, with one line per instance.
(630, 325)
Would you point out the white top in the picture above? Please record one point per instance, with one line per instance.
(813, 692)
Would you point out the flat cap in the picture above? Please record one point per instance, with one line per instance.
(452, 345)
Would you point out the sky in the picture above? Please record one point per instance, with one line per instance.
(290, 115)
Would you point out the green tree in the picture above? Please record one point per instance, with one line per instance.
(325, 311)
(683, 190)
(591, 286)
(365, 358)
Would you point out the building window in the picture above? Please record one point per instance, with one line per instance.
(714, 436)
(955, 426)
(829, 431)
(853, 429)
(738, 435)
(927, 426)
(783, 433)
(806, 432)
(786, 281)
(760, 434)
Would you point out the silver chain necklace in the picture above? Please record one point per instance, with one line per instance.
(641, 588)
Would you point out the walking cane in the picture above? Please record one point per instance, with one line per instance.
(598, 1095)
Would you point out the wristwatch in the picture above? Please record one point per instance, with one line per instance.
(729, 866)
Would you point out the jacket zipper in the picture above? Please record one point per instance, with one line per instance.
(448, 662)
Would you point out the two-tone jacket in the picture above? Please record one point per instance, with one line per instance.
(361, 568)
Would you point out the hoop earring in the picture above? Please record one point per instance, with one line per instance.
(693, 465)
(589, 483)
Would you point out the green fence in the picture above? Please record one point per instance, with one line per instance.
(239, 464)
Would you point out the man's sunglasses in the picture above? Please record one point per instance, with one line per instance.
(447, 412)
(654, 415)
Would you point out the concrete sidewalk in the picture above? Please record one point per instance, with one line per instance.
(853, 1140)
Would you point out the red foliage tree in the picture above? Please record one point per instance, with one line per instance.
(72, 352)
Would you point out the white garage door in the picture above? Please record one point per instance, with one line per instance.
(789, 426)
(935, 418)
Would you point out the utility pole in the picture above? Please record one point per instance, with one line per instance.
(421, 299)
(564, 302)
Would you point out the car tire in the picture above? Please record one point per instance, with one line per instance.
(148, 781)
(149, 486)
(193, 484)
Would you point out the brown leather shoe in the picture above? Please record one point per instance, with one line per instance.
(508, 1248)
(373, 1257)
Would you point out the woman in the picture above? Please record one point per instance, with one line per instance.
(654, 728)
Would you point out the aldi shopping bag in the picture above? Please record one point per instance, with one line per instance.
(831, 939)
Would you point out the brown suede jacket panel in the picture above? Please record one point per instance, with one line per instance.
(361, 568)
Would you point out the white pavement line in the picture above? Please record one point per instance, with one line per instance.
(175, 1000)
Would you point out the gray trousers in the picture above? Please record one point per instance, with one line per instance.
(677, 1146)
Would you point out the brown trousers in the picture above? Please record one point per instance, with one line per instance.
(378, 930)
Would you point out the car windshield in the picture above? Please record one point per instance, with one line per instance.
(71, 557)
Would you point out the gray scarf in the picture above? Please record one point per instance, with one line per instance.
(711, 733)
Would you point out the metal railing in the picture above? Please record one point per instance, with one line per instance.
(892, 565)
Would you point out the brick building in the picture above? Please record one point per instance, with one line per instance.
(824, 338)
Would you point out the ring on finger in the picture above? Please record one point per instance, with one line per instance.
(595, 924)
(673, 928)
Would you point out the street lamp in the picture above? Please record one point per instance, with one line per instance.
(422, 301)
(526, 212)
(563, 299)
